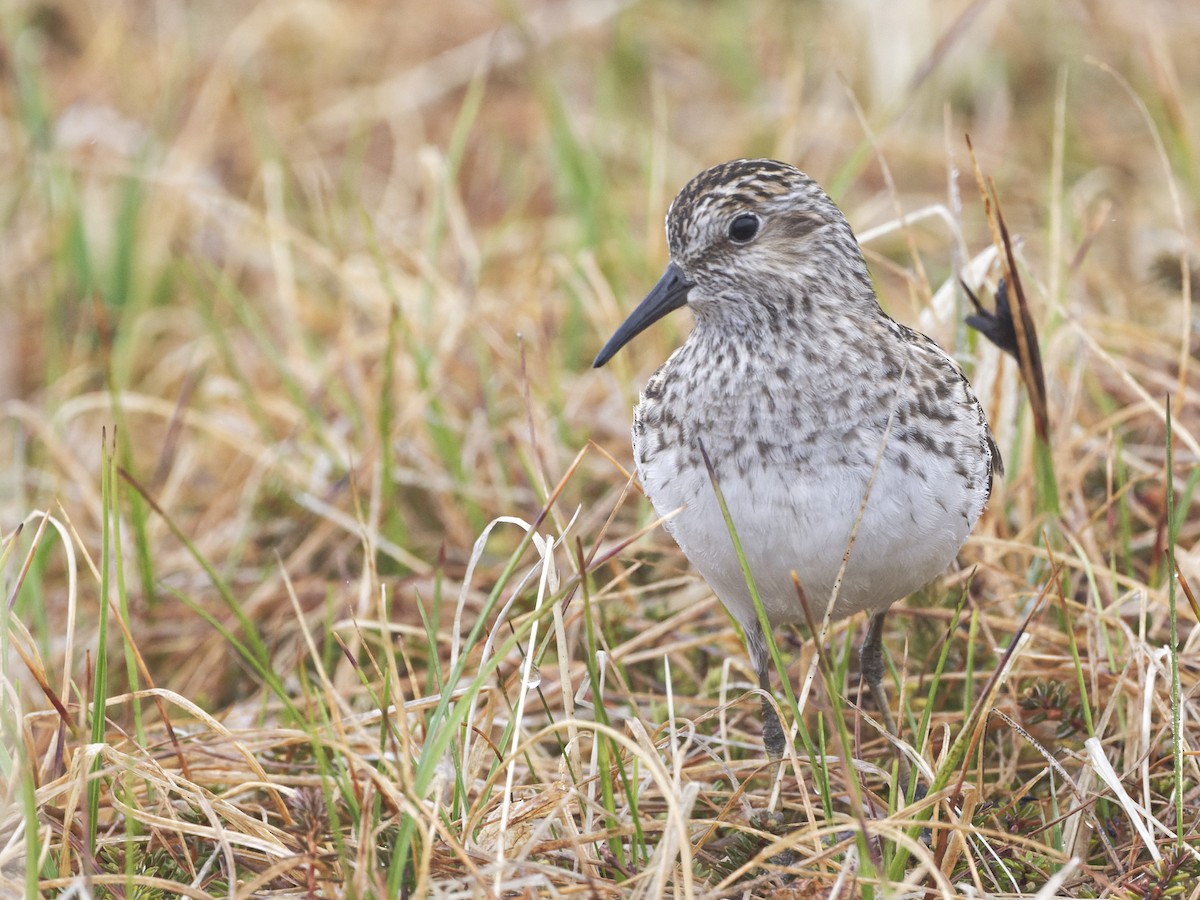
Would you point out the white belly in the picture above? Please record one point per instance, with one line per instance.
(911, 530)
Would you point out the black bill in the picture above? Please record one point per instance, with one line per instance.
(669, 294)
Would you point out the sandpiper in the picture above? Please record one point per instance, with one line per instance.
(821, 416)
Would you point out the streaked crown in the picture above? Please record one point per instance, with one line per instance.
(746, 225)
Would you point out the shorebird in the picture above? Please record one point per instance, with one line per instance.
(830, 428)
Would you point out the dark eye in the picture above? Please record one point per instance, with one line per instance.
(743, 228)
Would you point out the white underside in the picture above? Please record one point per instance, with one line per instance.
(909, 534)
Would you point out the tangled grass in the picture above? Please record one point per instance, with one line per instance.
(309, 487)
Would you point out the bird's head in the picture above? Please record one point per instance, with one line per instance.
(746, 236)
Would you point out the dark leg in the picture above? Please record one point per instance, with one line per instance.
(773, 739)
(870, 658)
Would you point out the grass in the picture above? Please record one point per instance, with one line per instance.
(324, 571)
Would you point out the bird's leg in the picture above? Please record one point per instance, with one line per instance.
(756, 644)
(870, 658)
(773, 737)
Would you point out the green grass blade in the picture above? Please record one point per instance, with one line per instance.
(100, 673)
(1178, 738)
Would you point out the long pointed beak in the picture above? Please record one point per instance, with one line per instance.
(669, 294)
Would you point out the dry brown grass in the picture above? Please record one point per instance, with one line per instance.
(317, 286)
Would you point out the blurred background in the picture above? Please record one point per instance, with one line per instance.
(264, 233)
(327, 278)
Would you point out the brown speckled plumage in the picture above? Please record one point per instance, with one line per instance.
(796, 383)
